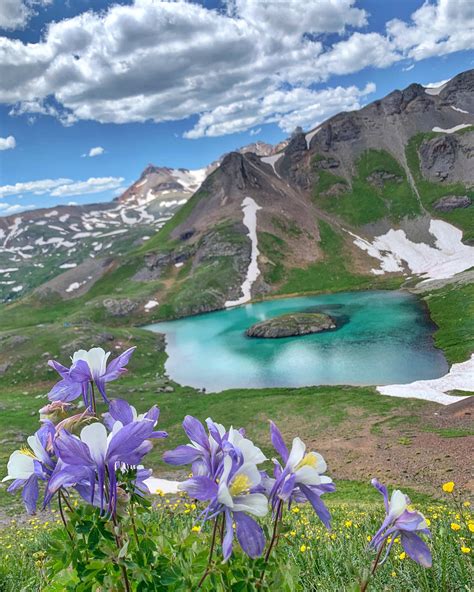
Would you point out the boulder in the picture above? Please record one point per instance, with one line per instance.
(292, 324)
(452, 202)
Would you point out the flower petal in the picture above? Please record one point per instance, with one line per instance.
(182, 455)
(195, 431)
(117, 367)
(278, 442)
(297, 453)
(249, 534)
(318, 505)
(253, 503)
(417, 549)
(201, 488)
(228, 537)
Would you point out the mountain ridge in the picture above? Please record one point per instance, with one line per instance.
(341, 206)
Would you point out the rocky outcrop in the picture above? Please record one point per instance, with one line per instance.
(380, 178)
(452, 202)
(120, 308)
(292, 324)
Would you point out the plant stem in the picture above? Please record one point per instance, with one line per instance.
(211, 553)
(126, 583)
(364, 585)
(63, 517)
(134, 526)
(273, 541)
(94, 407)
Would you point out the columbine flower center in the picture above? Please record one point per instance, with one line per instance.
(27, 452)
(240, 484)
(309, 460)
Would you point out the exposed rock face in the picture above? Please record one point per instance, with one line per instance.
(452, 202)
(120, 308)
(293, 324)
(439, 154)
(379, 178)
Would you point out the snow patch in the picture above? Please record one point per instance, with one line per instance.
(451, 130)
(460, 377)
(151, 304)
(250, 208)
(74, 286)
(157, 486)
(458, 109)
(436, 88)
(17, 289)
(67, 265)
(178, 265)
(272, 160)
(310, 135)
(449, 257)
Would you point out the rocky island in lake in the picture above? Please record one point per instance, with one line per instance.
(292, 324)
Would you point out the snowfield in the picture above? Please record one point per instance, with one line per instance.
(460, 378)
(395, 250)
(452, 130)
(250, 208)
(272, 160)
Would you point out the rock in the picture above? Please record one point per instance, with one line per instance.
(292, 324)
(452, 202)
(120, 308)
(168, 389)
(379, 178)
(4, 367)
(103, 337)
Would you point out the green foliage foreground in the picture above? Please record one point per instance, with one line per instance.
(173, 553)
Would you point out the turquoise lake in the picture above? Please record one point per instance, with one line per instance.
(383, 338)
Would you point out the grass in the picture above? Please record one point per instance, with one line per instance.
(431, 192)
(333, 272)
(452, 309)
(321, 560)
(364, 202)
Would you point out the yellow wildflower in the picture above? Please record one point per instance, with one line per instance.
(303, 548)
(348, 523)
(465, 549)
(470, 525)
(466, 504)
(402, 555)
(295, 510)
(455, 526)
(196, 529)
(448, 487)
(394, 574)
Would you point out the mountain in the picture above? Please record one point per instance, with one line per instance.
(78, 243)
(370, 198)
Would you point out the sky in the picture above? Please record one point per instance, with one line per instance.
(92, 91)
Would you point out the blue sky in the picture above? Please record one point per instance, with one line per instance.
(178, 84)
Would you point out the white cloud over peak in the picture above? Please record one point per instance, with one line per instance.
(7, 143)
(96, 151)
(62, 187)
(435, 29)
(164, 61)
(14, 14)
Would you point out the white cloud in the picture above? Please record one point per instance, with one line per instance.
(7, 143)
(131, 62)
(435, 29)
(255, 132)
(14, 14)
(62, 187)
(92, 185)
(97, 151)
(298, 106)
(6, 209)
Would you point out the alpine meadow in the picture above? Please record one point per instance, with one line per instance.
(248, 366)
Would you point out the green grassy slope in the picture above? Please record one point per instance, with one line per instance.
(364, 201)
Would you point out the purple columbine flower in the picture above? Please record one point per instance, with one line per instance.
(28, 466)
(205, 452)
(87, 367)
(92, 459)
(234, 498)
(301, 477)
(121, 410)
(402, 522)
